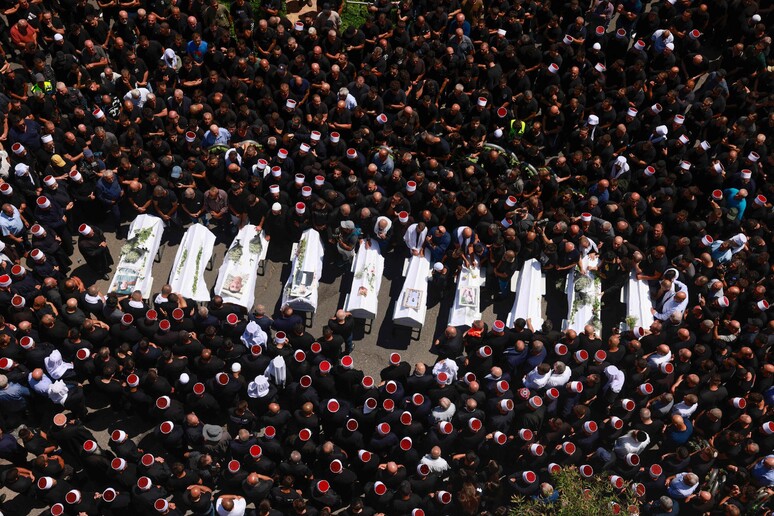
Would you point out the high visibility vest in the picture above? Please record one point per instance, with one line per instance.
(514, 132)
(47, 88)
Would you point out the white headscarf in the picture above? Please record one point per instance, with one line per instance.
(253, 335)
(737, 242)
(277, 371)
(228, 157)
(259, 387)
(378, 231)
(58, 392)
(171, 59)
(55, 366)
(615, 378)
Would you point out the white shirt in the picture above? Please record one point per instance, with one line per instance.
(464, 242)
(627, 444)
(657, 359)
(684, 410)
(240, 504)
(415, 241)
(438, 465)
(558, 380)
(441, 414)
(670, 307)
(535, 380)
(141, 100)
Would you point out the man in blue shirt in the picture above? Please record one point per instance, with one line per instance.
(736, 198)
(437, 243)
(13, 401)
(197, 48)
(24, 131)
(600, 191)
(763, 471)
(216, 136)
(11, 223)
(108, 192)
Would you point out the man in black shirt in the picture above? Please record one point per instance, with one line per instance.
(93, 246)
(343, 325)
(165, 205)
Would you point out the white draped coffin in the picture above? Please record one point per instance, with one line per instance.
(530, 289)
(135, 265)
(193, 254)
(238, 272)
(467, 298)
(306, 265)
(584, 297)
(636, 296)
(411, 305)
(368, 269)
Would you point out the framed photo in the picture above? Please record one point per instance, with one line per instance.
(235, 285)
(412, 299)
(126, 280)
(304, 278)
(469, 297)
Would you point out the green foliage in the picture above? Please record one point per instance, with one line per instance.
(579, 496)
(353, 15)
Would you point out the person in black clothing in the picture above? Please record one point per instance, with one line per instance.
(93, 247)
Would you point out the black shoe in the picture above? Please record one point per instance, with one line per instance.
(106, 276)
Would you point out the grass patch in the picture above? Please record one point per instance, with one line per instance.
(353, 15)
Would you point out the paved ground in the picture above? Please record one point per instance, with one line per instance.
(371, 347)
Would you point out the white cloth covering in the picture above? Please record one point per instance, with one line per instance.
(277, 371)
(259, 387)
(253, 335)
(55, 366)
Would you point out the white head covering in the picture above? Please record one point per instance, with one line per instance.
(259, 387)
(253, 335)
(230, 154)
(55, 367)
(386, 229)
(615, 378)
(737, 242)
(277, 371)
(170, 58)
(58, 392)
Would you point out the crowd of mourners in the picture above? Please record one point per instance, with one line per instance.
(486, 132)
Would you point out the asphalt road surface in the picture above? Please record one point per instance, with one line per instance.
(372, 345)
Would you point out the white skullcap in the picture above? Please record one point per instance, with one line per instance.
(596, 46)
